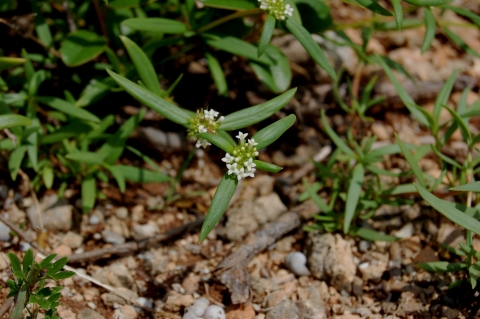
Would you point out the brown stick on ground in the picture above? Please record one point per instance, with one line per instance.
(232, 270)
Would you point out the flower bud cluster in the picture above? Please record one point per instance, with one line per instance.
(277, 8)
(240, 162)
(204, 121)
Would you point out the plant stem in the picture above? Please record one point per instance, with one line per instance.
(232, 16)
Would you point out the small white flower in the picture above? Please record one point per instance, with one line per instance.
(232, 168)
(202, 129)
(249, 164)
(221, 118)
(252, 143)
(202, 143)
(205, 143)
(228, 158)
(288, 10)
(241, 136)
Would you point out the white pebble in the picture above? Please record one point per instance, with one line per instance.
(145, 302)
(190, 315)
(296, 263)
(214, 312)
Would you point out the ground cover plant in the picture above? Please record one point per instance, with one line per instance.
(128, 123)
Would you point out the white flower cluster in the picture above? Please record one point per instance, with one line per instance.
(277, 8)
(205, 121)
(240, 162)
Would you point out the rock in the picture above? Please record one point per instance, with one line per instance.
(118, 226)
(404, 232)
(284, 245)
(4, 261)
(190, 283)
(58, 218)
(63, 250)
(121, 212)
(381, 131)
(240, 221)
(287, 290)
(242, 311)
(450, 235)
(144, 231)
(286, 309)
(72, 240)
(145, 302)
(197, 309)
(268, 208)
(4, 232)
(90, 294)
(176, 301)
(96, 217)
(88, 313)
(16, 215)
(296, 263)
(264, 184)
(125, 312)
(330, 257)
(374, 269)
(263, 286)
(117, 275)
(110, 299)
(155, 263)
(347, 316)
(112, 237)
(65, 313)
(313, 304)
(214, 312)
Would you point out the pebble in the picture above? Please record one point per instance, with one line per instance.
(94, 219)
(121, 212)
(214, 312)
(404, 232)
(63, 250)
(72, 240)
(88, 313)
(145, 231)
(4, 261)
(286, 309)
(4, 232)
(296, 263)
(112, 237)
(197, 309)
(176, 301)
(145, 302)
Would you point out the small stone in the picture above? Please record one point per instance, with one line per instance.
(404, 232)
(268, 208)
(214, 312)
(190, 283)
(125, 312)
(4, 261)
(374, 269)
(112, 237)
(90, 294)
(176, 301)
(450, 235)
(145, 231)
(121, 212)
(66, 313)
(286, 309)
(4, 232)
(95, 218)
(296, 263)
(145, 302)
(72, 240)
(381, 131)
(88, 313)
(63, 250)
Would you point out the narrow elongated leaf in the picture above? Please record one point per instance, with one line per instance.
(470, 187)
(48, 176)
(353, 195)
(236, 5)
(141, 175)
(460, 43)
(411, 161)
(402, 93)
(81, 46)
(12, 120)
(46, 262)
(335, 138)
(398, 11)
(63, 275)
(266, 35)
(269, 167)
(446, 158)
(117, 174)
(442, 266)
(373, 235)
(160, 25)
(442, 97)
(220, 201)
(427, 2)
(27, 261)
(312, 48)
(238, 47)
(217, 74)
(86, 158)
(466, 13)
(7, 62)
(227, 136)
(324, 208)
(89, 194)
(431, 27)
(67, 108)
(271, 133)
(15, 262)
(95, 91)
(257, 113)
(159, 105)
(373, 6)
(142, 65)
(15, 160)
(218, 141)
(464, 129)
(57, 266)
(450, 212)
(276, 76)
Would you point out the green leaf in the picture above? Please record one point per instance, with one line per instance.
(89, 193)
(57, 266)
(89, 158)
(450, 212)
(266, 35)
(271, 133)
(80, 47)
(373, 6)
(218, 141)
(217, 74)
(220, 201)
(46, 262)
(324, 208)
(117, 174)
(126, 3)
(63, 275)
(19, 303)
(95, 91)
(257, 113)
(312, 48)
(411, 161)
(398, 11)
(67, 108)
(159, 105)
(442, 266)
(27, 261)
(372, 235)
(335, 138)
(431, 27)
(141, 175)
(442, 97)
(466, 13)
(142, 65)
(470, 187)
(464, 129)
(445, 158)
(41, 26)
(158, 25)
(238, 47)
(16, 265)
(237, 5)
(15, 160)
(269, 167)
(277, 76)
(460, 43)
(353, 195)
(427, 2)
(406, 99)
(7, 62)
(12, 120)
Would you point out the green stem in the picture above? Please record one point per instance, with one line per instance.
(232, 16)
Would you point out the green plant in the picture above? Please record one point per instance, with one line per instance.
(29, 289)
